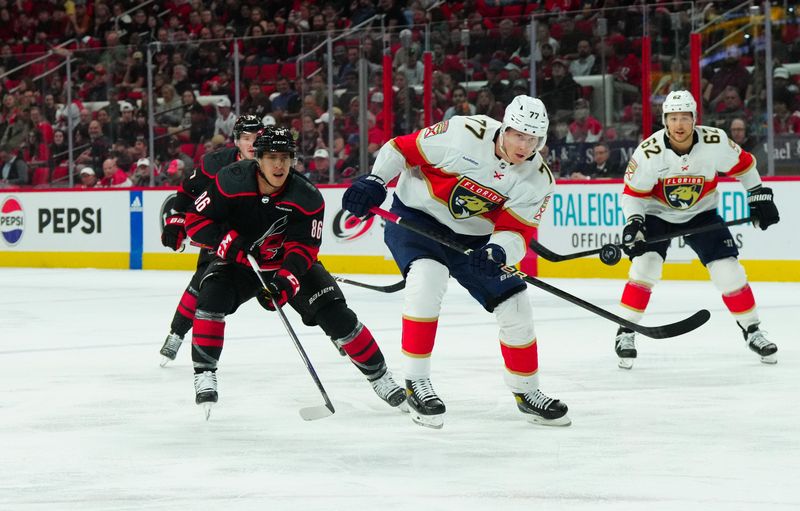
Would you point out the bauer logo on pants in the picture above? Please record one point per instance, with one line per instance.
(12, 221)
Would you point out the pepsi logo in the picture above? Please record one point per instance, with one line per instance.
(347, 227)
(12, 221)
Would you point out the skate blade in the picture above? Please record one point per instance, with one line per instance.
(541, 421)
(165, 360)
(207, 409)
(313, 413)
(769, 359)
(625, 363)
(403, 407)
(428, 421)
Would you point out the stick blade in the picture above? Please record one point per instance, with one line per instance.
(681, 327)
(312, 413)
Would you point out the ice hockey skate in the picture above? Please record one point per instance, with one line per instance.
(424, 405)
(205, 388)
(540, 409)
(625, 346)
(758, 343)
(170, 348)
(388, 390)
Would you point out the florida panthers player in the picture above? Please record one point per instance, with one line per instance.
(244, 134)
(671, 185)
(483, 184)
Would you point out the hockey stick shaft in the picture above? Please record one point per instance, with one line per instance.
(392, 288)
(551, 256)
(656, 332)
(307, 413)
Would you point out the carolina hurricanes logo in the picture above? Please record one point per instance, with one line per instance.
(347, 227)
(469, 198)
(683, 192)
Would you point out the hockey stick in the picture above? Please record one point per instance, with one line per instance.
(392, 288)
(611, 254)
(312, 412)
(656, 332)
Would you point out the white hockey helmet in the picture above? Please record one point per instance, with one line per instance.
(528, 115)
(678, 101)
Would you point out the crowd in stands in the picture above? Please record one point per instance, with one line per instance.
(481, 51)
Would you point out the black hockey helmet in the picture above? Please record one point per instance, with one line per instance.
(246, 124)
(273, 139)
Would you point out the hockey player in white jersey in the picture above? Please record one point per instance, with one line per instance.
(481, 183)
(671, 185)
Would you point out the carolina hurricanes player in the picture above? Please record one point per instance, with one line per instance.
(483, 184)
(671, 185)
(263, 207)
(244, 134)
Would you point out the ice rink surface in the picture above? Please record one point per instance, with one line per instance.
(89, 421)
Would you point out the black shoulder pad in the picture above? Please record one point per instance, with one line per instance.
(302, 193)
(214, 162)
(238, 178)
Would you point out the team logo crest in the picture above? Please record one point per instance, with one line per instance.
(469, 198)
(683, 192)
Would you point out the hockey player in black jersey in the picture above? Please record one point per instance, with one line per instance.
(174, 231)
(264, 208)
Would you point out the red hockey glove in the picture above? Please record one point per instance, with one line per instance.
(232, 248)
(283, 287)
(174, 231)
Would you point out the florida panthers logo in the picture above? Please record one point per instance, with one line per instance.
(469, 198)
(683, 192)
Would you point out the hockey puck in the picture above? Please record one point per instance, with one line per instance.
(610, 254)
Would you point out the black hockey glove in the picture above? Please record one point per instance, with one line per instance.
(174, 231)
(283, 287)
(233, 248)
(633, 236)
(486, 260)
(365, 192)
(763, 210)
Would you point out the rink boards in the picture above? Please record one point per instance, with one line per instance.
(121, 229)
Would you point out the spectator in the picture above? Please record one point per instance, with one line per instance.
(225, 118)
(169, 112)
(59, 150)
(782, 87)
(202, 127)
(584, 64)
(174, 152)
(493, 82)
(604, 163)
(174, 174)
(584, 128)
(140, 175)
(319, 168)
(88, 178)
(676, 79)
(460, 104)
(256, 103)
(113, 176)
(738, 133)
(728, 106)
(784, 121)
(98, 149)
(13, 170)
(485, 104)
(559, 92)
(17, 131)
(281, 102)
(730, 73)
(413, 67)
(126, 125)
